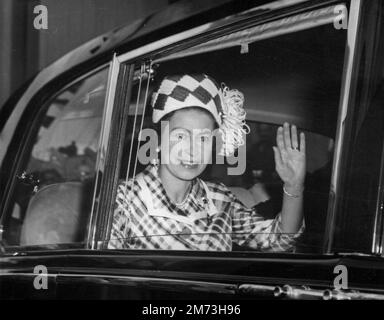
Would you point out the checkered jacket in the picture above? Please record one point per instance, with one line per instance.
(190, 227)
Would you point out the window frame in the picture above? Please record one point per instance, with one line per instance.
(363, 47)
(120, 87)
(344, 106)
(203, 33)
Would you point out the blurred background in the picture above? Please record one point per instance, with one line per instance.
(25, 50)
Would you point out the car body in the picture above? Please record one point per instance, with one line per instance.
(321, 75)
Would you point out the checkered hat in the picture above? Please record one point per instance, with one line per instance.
(182, 91)
(199, 90)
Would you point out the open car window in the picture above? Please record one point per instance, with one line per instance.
(291, 76)
(52, 194)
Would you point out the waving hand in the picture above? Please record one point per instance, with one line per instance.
(290, 156)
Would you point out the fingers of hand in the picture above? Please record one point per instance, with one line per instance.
(302, 142)
(280, 139)
(277, 154)
(295, 144)
(287, 136)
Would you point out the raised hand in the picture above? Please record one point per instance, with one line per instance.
(290, 157)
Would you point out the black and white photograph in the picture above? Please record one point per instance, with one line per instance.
(192, 155)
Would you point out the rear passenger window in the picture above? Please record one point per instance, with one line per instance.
(289, 71)
(52, 196)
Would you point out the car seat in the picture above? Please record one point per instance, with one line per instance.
(57, 214)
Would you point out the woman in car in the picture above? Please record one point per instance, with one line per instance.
(167, 206)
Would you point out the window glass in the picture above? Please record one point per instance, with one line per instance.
(294, 78)
(52, 196)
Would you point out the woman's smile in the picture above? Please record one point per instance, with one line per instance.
(189, 165)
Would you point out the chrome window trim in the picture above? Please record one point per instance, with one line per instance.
(207, 27)
(103, 145)
(378, 236)
(347, 80)
(102, 210)
(163, 43)
(261, 31)
(378, 231)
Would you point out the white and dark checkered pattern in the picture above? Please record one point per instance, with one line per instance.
(191, 228)
(181, 91)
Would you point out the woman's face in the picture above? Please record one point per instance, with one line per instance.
(189, 143)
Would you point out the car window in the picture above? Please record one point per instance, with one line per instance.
(293, 76)
(52, 196)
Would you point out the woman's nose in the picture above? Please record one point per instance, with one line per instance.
(193, 149)
(187, 149)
